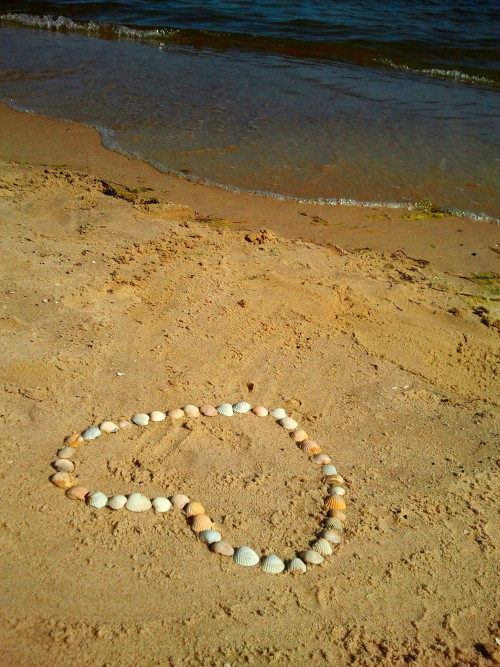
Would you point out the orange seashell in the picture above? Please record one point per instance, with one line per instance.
(201, 522)
(64, 480)
(73, 440)
(193, 509)
(336, 513)
(77, 492)
(310, 447)
(334, 479)
(299, 435)
(335, 503)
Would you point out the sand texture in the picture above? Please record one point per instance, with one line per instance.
(388, 362)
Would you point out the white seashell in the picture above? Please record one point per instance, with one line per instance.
(124, 423)
(296, 566)
(329, 470)
(260, 411)
(65, 452)
(272, 564)
(109, 427)
(331, 536)
(322, 547)
(242, 408)
(225, 409)
(157, 416)
(191, 411)
(210, 536)
(288, 423)
(333, 523)
(91, 433)
(137, 502)
(336, 491)
(63, 465)
(141, 419)
(161, 504)
(321, 459)
(245, 556)
(179, 500)
(117, 502)
(311, 556)
(97, 499)
(278, 413)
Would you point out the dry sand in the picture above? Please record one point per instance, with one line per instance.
(389, 362)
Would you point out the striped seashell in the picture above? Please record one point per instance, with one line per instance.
(335, 479)
(176, 413)
(260, 411)
(278, 413)
(336, 491)
(201, 522)
(296, 566)
(124, 423)
(334, 503)
(161, 504)
(321, 459)
(179, 500)
(91, 433)
(191, 411)
(333, 523)
(311, 556)
(242, 407)
(109, 427)
(193, 509)
(141, 419)
(157, 416)
(65, 452)
(272, 564)
(288, 423)
(63, 465)
(63, 480)
(73, 440)
(329, 470)
(322, 547)
(225, 409)
(337, 513)
(299, 435)
(138, 502)
(222, 548)
(210, 536)
(208, 410)
(331, 536)
(310, 447)
(76, 492)
(117, 502)
(97, 499)
(245, 556)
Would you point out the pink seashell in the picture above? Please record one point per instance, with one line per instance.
(208, 410)
(77, 492)
(124, 423)
(260, 411)
(179, 500)
(176, 413)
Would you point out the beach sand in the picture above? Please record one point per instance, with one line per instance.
(377, 333)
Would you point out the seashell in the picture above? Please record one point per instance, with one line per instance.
(117, 502)
(311, 556)
(322, 547)
(109, 427)
(310, 447)
(73, 440)
(208, 410)
(278, 413)
(176, 413)
(333, 523)
(222, 548)
(91, 433)
(193, 509)
(76, 492)
(161, 504)
(63, 465)
(137, 502)
(245, 556)
(191, 411)
(272, 564)
(334, 503)
(96, 499)
(157, 416)
(336, 491)
(299, 435)
(337, 513)
(179, 500)
(329, 470)
(296, 566)
(225, 409)
(65, 452)
(123, 423)
(210, 536)
(63, 480)
(331, 536)
(260, 411)
(201, 522)
(288, 423)
(335, 479)
(321, 459)
(141, 419)
(242, 407)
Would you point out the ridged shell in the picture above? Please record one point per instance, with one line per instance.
(157, 416)
(278, 413)
(322, 547)
(260, 411)
(335, 479)
(191, 411)
(210, 536)
(63, 465)
(299, 435)
(329, 470)
(76, 492)
(225, 409)
(242, 407)
(208, 410)
(310, 447)
(332, 523)
(117, 502)
(337, 513)
(201, 522)
(245, 556)
(222, 548)
(288, 423)
(124, 423)
(311, 556)
(176, 413)
(109, 427)
(97, 499)
(331, 536)
(137, 502)
(65, 452)
(141, 419)
(161, 504)
(336, 491)
(63, 480)
(193, 509)
(334, 503)
(179, 500)
(296, 566)
(73, 440)
(321, 459)
(272, 564)
(91, 433)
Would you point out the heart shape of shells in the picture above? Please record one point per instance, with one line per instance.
(330, 533)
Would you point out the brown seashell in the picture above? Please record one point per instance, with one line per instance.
(337, 513)
(299, 435)
(335, 503)
(222, 548)
(193, 509)
(321, 459)
(310, 447)
(176, 413)
(76, 492)
(73, 440)
(334, 479)
(63, 480)
(179, 500)
(208, 410)
(201, 522)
